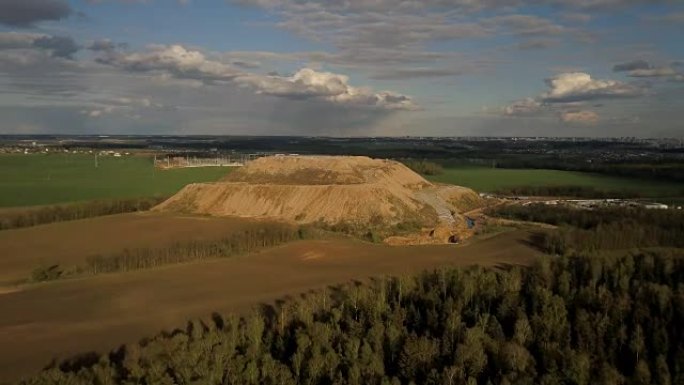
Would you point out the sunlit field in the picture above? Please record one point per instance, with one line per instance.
(56, 178)
(485, 179)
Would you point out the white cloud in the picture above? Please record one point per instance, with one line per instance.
(579, 86)
(571, 90)
(308, 83)
(173, 59)
(523, 107)
(580, 117)
(181, 63)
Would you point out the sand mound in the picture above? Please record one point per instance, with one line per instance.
(326, 170)
(360, 191)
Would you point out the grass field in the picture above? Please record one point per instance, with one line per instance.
(39, 179)
(485, 179)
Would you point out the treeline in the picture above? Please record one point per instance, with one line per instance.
(669, 169)
(567, 191)
(12, 218)
(579, 321)
(238, 242)
(600, 229)
(423, 167)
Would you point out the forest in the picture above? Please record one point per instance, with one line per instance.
(566, 320)
(581, 230)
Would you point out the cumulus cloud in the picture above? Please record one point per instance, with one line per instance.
(24, 13)
(523, 107)
(175, 60)
(308, 83)
(179, 62)
(579, 116)
(579, 86)
(569, 91)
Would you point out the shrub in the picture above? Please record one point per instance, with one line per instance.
(48, 273)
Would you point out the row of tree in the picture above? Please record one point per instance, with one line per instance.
(567, 191)
(238, 242)
(668, 168)
(32, 216)
(245, 241)
(601, 229)
(589, 219)
(580, 320)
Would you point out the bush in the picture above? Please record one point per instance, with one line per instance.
(48, 273)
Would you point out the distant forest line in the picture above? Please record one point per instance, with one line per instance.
(626, 157)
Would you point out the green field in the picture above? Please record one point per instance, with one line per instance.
(492, 179)
(39, 179)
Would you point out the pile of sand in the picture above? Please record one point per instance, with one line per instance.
(328, 189)
(326, 170)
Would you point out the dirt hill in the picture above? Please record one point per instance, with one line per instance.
(357, 191)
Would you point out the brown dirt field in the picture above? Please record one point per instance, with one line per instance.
(70, 243)
(62, 318)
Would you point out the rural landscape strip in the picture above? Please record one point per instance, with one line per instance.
(533, 325)
(14, 218)
(238, 243)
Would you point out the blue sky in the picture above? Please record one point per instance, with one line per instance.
(343, 67)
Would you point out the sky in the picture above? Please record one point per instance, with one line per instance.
(602, 68)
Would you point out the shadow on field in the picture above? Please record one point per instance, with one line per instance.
(534, 241)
